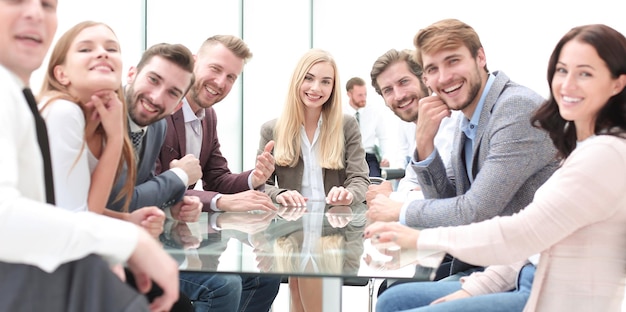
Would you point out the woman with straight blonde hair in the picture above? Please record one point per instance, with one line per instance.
(313, 133)
(318, 152)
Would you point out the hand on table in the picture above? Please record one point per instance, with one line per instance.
(382, 208)
(291, 198)
(338, 195)
(386, 232)
(188, 209)
(384, 188)
(246, 201)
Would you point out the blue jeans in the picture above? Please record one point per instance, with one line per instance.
(229, 292)
(416, 297)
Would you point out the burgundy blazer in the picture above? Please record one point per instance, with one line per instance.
(216, 177)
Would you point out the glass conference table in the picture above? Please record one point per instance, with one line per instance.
(316, 241)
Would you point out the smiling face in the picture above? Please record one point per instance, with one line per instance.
(401, 90)
(27, 28)
(317, 86)
(216, 70)
(456, 76)
(93, 62)
(156, 91)
(582, 84)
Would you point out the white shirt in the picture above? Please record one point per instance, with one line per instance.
(443, 144)
(312, 177)
(32, 232)
(378, 128)
(193, 129)
(69, 153)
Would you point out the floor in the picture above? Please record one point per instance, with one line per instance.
(355, 298)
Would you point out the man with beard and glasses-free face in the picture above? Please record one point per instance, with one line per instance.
(65, 271)
(193, 130)
(498, 158)
(398, 79)
(155, 89)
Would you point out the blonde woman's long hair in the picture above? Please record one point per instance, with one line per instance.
(286, 133)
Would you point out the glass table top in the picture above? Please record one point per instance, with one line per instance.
(316, 240)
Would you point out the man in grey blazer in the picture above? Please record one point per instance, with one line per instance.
(498, 158)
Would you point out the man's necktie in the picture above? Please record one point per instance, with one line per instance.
(136, 137)
(358, 119)
(44, 146)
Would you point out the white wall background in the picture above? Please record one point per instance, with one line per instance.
(518, 38)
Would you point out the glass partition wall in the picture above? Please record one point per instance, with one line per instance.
(517, 39)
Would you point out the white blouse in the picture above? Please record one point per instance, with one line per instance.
(70, 155)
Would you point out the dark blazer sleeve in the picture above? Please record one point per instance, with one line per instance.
(216, 176)
(161, 190)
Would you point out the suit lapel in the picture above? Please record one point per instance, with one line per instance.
(485, 115)
(206, 137)
(462, 180)
(178, 119)
(147, 145)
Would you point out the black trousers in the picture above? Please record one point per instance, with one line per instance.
(373, 164)
(82, 285)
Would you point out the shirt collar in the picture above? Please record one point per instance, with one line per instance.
(188, 113)
(16, 79)
(134, 127)
(469, 127)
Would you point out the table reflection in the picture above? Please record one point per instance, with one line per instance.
(316, 240)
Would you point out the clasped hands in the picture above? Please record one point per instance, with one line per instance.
(379, 206)
(338, 195)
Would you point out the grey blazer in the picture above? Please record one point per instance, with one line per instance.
(353, 177)
(161, 190)
(511, 159)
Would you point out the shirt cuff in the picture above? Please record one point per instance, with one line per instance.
(214, 202)
(250, 181)
(424, 162)
(182, 175)
(405, 206)
(168, 212)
